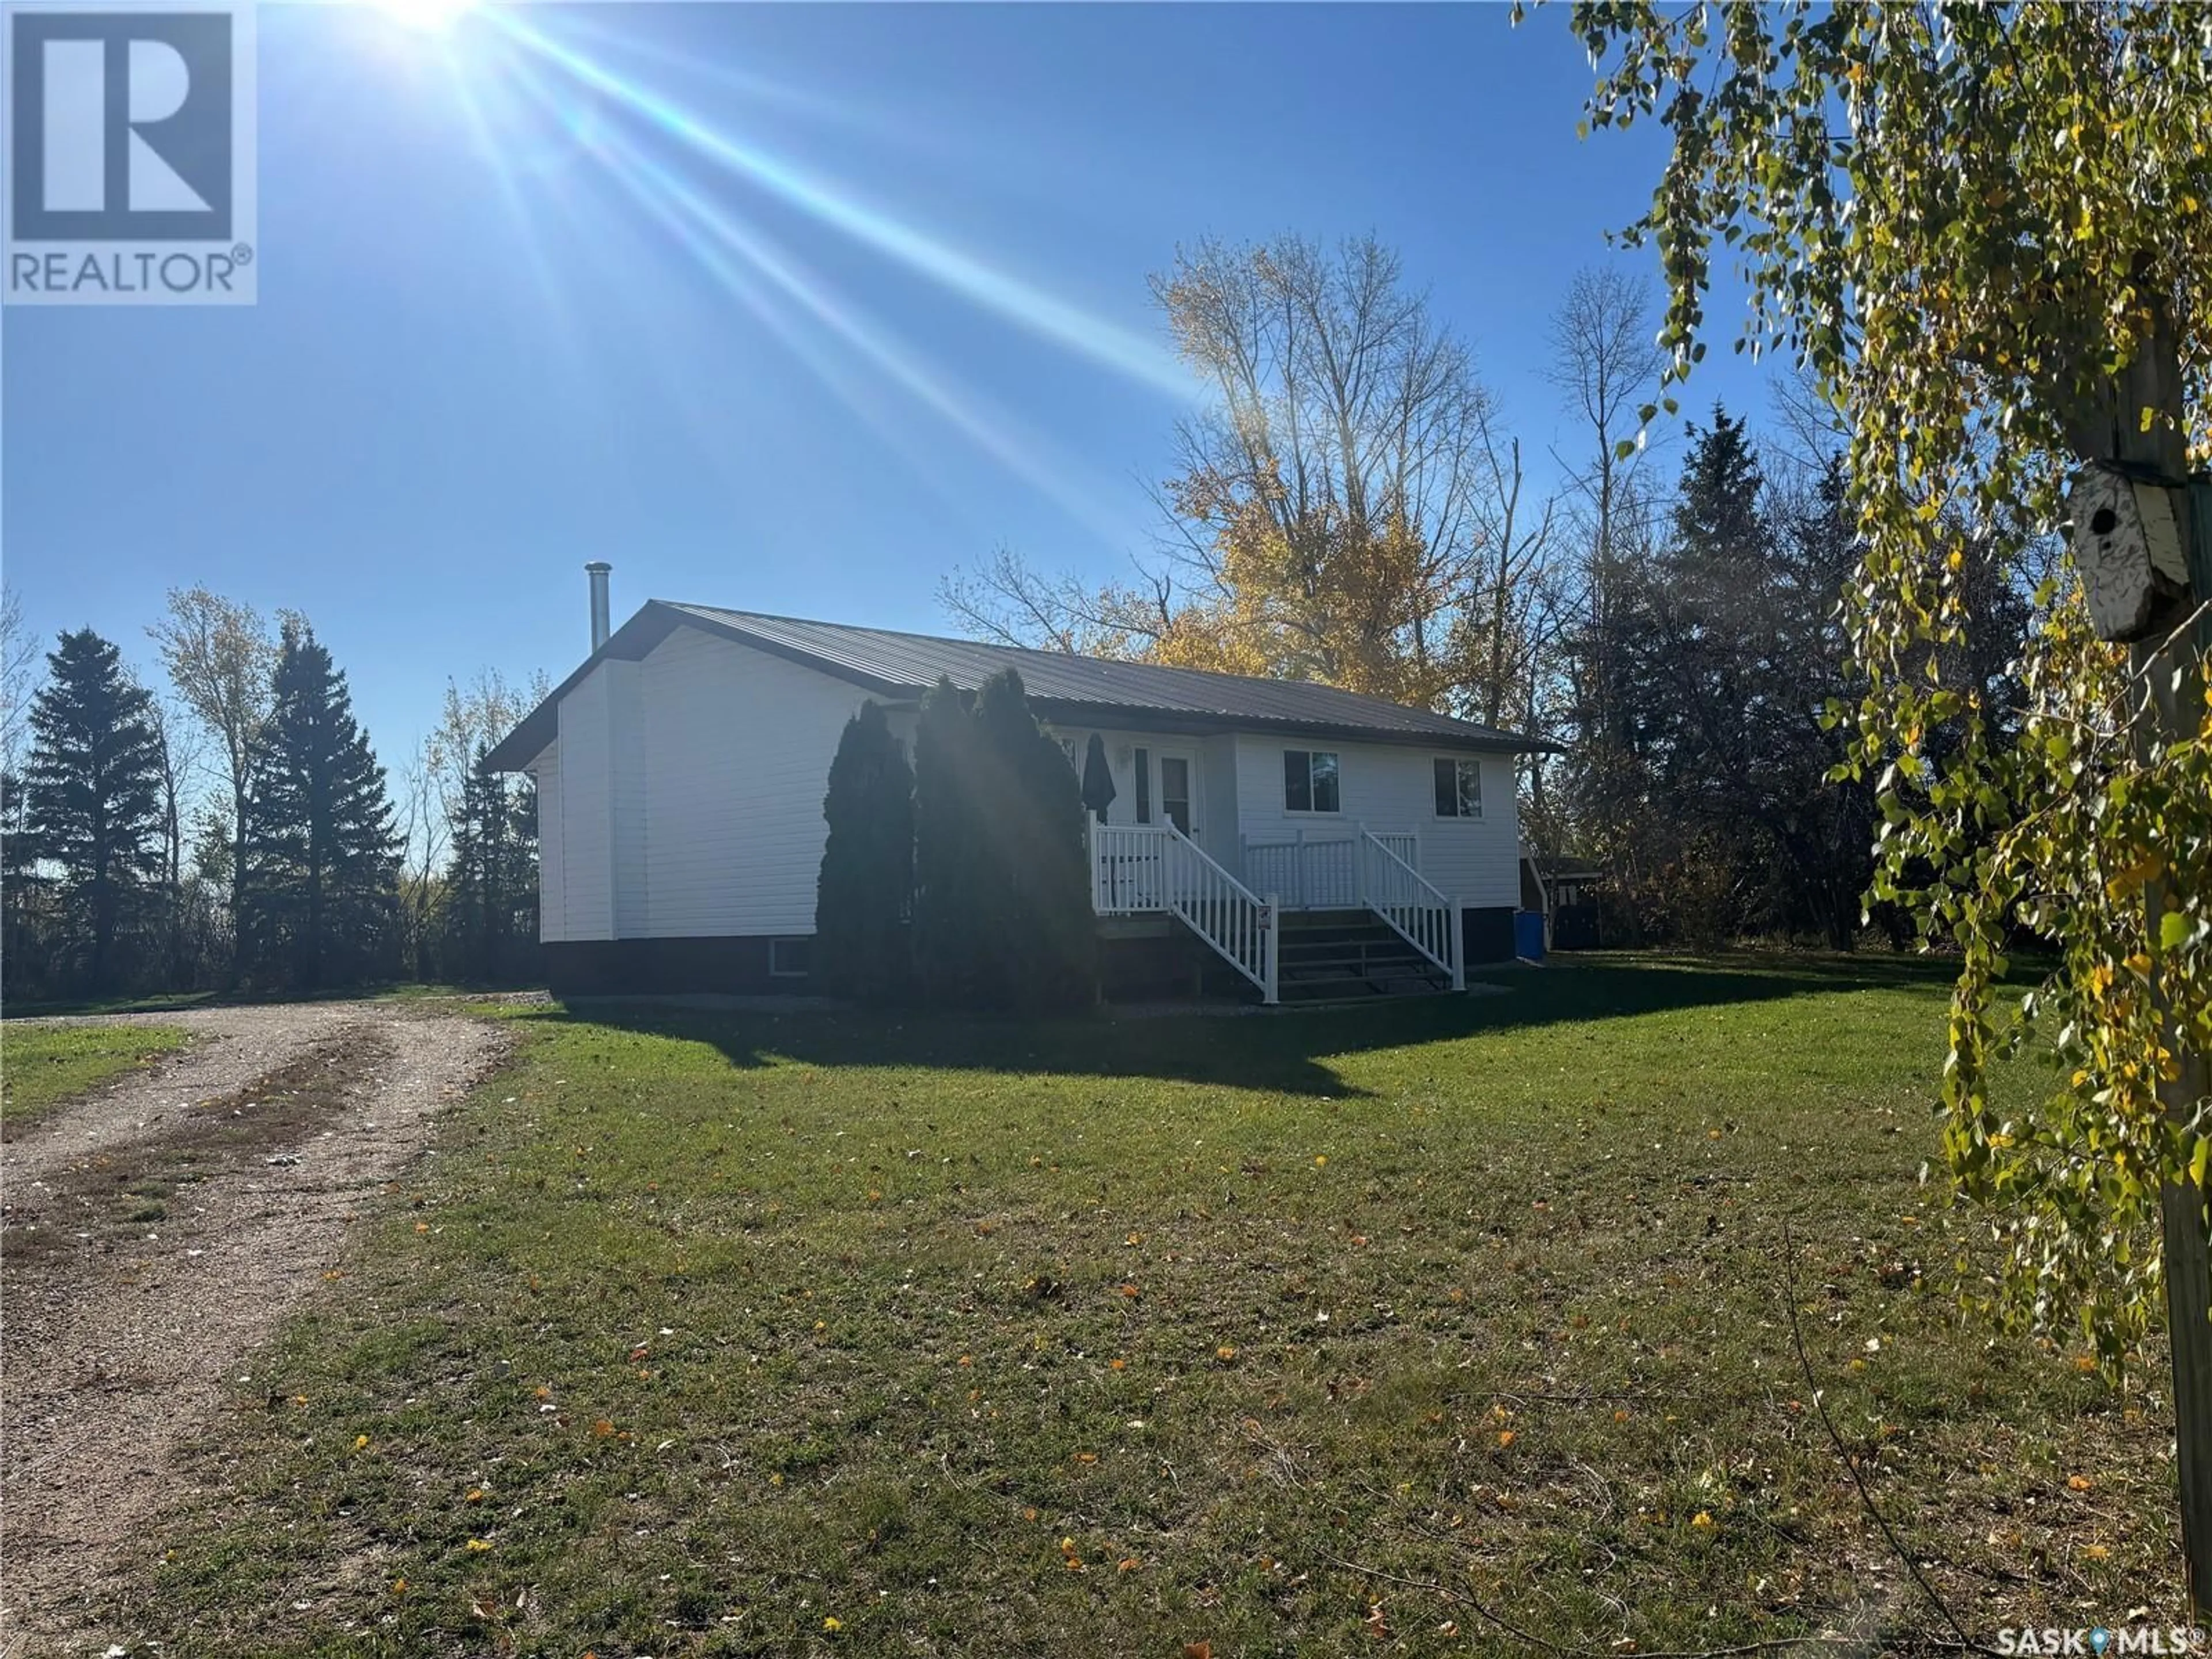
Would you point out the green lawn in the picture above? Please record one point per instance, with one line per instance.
(1320, 1334)
(43, 1066)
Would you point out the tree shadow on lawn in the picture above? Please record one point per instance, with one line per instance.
(1286, 1052)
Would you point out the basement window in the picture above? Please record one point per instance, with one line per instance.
(789, 958)
(1309, 781)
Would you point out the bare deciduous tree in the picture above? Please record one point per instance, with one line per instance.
(421, 819)
(1009, 601)
(221, 659)
(475, 715)
(1607, 365)
(19, 662)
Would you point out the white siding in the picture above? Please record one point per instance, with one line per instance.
(587, 828)
(627, 719)
(1475, 861)
(733, 756)
(1221, 834)
(552, 865)
(682, 797)
(1213, 779)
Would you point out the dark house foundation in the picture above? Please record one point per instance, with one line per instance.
(628, 967)
(1486, 935)
(1139, 959)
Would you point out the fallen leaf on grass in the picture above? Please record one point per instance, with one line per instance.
(2078, 1483)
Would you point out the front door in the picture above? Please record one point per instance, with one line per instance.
(1177, 778)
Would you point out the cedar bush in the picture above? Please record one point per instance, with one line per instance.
(1002, 898)
(865, 893)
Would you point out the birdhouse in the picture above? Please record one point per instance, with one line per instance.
(2127, 545)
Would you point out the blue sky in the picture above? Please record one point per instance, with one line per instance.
(491, 345)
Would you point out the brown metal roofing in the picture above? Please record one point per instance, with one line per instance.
(1134, 695)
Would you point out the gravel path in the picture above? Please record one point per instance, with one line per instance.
(153, 1234)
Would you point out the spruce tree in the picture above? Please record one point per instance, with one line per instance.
(865, 891)
(491, 879)
(93, 794)
(479, 876)
(324, 854)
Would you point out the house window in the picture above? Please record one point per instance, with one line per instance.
(1459, 789)
(1144, 765)
(1310, 778)
(788, 958)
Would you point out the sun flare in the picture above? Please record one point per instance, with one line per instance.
(430, 16)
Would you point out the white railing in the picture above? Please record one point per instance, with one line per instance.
(1312, 872)
(1418, 913)
(1135, 868)
(1319, 870)
(1128, 874)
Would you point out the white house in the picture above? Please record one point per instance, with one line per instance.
(1306, 840)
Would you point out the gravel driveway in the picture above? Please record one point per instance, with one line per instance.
(154, 1233)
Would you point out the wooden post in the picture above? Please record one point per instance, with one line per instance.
(2137, 422)
(2169, 716)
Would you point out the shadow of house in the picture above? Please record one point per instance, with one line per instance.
(1286, 1055)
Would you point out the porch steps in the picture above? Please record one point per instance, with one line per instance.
(1349, 956)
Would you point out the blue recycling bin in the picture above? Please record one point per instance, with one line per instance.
(1528, 935)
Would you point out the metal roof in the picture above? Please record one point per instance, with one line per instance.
(1137, 695)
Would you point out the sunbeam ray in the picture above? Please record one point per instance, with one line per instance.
(1018, 302)
(881, 351)
(462, 77)
(780, 293)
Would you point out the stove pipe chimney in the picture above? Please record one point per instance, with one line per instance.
(597, 570)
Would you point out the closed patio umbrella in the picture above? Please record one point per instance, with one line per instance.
(1097, 778)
